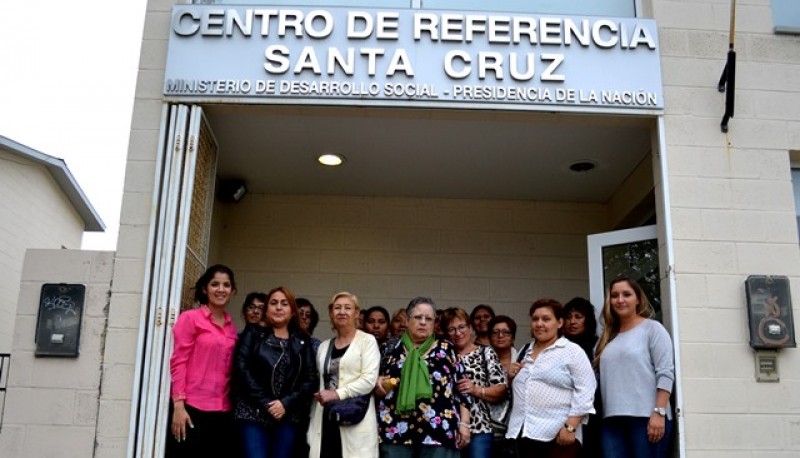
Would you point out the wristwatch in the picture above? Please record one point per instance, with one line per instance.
(569, 427)
(661, 411)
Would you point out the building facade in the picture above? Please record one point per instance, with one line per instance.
(462, 187)
(45, 208)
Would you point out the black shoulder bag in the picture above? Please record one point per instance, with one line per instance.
(344, 412)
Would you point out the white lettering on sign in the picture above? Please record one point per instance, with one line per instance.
(280, 61)
(380, 54)
(495, 63)
(361, 24)
(433, 27)
(228, 22)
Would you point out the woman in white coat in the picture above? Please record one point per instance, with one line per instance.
(351, 370)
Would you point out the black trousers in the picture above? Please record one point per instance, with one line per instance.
(213, 435)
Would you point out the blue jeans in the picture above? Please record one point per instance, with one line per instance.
(416, 451)
(267, 441)
(626, 437)
(480, 446)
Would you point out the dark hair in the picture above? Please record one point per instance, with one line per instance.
(294, 325)
(586, 308)
(385, 314)
(249, 299)
(512, 325)
(303, 302)
(419, 300)
(378, 308)
(200, 296)
(488, 308)
(554, 305)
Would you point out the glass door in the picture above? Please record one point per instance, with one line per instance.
(629, 252)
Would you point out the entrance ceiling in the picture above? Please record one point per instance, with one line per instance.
(475, 154)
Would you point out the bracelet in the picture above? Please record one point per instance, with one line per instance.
(483, 393)
(463, 424)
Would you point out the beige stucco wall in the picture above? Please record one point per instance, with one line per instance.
(36, 215)
(388, 250)
(122, 334)
(733, 216)
(51, 403)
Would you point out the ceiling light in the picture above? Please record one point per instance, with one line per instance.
(582, 166)
(331, 159)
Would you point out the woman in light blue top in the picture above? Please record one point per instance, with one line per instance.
(637, 373)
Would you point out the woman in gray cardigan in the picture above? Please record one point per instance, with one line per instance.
(637, 374)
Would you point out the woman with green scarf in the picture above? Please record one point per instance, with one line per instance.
(421, 413)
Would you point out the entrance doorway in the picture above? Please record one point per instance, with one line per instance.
(467, 207)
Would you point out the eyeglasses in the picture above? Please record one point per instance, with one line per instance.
(424, 318)
(462, 328)
(501, 333)
(255, 307)
(302, 314)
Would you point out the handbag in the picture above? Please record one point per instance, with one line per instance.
(498, 411)
(344, 412)
(498, 416)
(247, 411)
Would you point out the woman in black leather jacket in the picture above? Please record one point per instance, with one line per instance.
(275, 375)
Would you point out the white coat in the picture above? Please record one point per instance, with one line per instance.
(358, 372)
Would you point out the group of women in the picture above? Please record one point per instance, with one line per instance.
(448, 385)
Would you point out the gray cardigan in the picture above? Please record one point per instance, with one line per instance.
(633, 367)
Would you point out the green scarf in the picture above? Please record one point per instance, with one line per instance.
(415, 382)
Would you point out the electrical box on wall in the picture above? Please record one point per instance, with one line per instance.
(58, 325)
(769, 312)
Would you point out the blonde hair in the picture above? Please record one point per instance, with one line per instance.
(350, 296)
(610, 319)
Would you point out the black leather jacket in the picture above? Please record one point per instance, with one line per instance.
(257, 352)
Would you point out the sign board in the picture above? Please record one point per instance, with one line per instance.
(409, 57)
(58, 325)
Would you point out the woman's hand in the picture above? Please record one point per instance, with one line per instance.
(379, 391)
(464, 435)
(565, 437)
(180, 420)
(466, 386)
(382, 383)
(326, 396)
(655, 427)
(514, 370)
(276, 409)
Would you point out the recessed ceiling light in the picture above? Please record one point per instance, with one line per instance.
(331, 159)
(582, 166)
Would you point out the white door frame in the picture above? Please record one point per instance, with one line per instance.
(663, 232)
(164, 269)
(595, 244)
